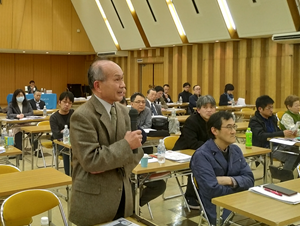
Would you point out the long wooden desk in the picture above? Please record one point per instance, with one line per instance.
(32, 130)
(182, 118)
(255, 151)
(184, 105)
(12, 122)
(40, 112)
(11, 150)
(234, 108)
(261, 208)
(44, 178)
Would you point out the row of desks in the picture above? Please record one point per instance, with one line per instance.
(246, 203)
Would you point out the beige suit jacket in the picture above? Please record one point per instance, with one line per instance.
(96, 147)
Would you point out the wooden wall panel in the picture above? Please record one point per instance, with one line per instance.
(47, 25)
(62, 11)
(42, 32)
(6, 24)
(7, 71)
(59, 78)
(76, 70)
(25, 41)
(24, 71)
(255, 67)
(52, 72)
(42, 71)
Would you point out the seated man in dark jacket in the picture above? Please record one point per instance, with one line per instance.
(264, 125)
(219, 166)
(36, 103)
(194, 134)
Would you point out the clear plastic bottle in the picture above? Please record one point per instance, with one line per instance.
(177, 126)
(44, 221)
(180, 100)
(248, 138)
(66, 134)
(232, 102)
(45, 111)
(4, 136)
(161, 152)
(10, 139)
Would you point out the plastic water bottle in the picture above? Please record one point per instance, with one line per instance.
(66, 135)
(44, 221)
(10, 138)
(4, 137)
(180, 100)
(173, 112)
(45, 111)
(248, 138)
(161, 152)
(232, 102)
(177, 126)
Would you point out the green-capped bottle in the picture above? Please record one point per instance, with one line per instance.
(248, 138)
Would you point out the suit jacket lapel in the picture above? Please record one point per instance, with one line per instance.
(104, 118)
(120, 122)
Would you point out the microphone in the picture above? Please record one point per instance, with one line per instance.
(133, 114)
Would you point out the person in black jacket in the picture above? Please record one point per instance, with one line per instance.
(264, 125)
(166, 94)
(185, 94)
(194, 135)
(227, 97)
(18, 108)
(36, 103)
(193, 99)
(59, 119)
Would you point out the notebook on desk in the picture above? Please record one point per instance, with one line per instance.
(294, 199)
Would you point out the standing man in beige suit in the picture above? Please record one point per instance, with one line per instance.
(102, 148)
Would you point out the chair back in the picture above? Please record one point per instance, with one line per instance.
(18, 209)
(279, 115)
(203, 212)
(170, 142)
(8, 169)
(43, 123)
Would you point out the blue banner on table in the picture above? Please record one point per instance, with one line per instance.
(49, 98)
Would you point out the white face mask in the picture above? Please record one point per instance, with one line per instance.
(20, 99)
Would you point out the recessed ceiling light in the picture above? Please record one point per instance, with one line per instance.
(24, 52)
(47, 52)
(217, 40)
(69, 53)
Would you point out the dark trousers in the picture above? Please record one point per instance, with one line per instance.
(65, 160)
(190, 192)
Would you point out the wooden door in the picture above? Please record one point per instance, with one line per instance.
(151, 76)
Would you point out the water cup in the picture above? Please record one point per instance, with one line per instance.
(144, 162)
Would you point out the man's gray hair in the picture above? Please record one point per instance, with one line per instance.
(95, 73)
(204, 100)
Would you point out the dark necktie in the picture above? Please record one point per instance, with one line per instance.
(113, 117)
(154, 112)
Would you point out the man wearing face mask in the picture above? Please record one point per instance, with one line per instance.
(18, 108)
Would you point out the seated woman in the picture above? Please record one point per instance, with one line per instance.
(291, 116)
(18, 108)
(227, 97)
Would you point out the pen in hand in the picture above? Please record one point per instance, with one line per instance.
(274, 192)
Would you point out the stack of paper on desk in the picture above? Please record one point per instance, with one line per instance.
(2, 149)
(294, 199)
(177, 156)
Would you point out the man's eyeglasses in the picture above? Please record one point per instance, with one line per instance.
(269, 108)
(140, 102)
(230, 127)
